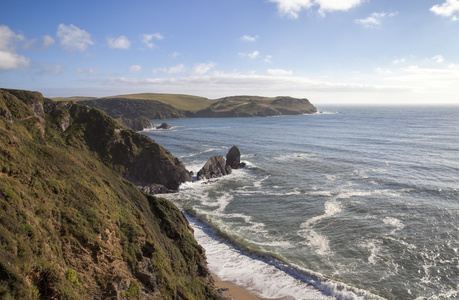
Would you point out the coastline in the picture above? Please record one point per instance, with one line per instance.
(232, 291)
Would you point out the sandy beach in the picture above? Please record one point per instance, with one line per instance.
(233, 291)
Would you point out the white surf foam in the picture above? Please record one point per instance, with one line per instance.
(294, 156)
(318, 242)
(266, 277)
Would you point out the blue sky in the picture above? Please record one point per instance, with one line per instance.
(329, 51)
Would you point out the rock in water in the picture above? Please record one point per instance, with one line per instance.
(233, 158)
(215, 167)
(164, 126)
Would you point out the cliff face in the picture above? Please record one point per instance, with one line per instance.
(72, 223)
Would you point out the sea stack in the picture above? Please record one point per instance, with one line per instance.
(233, 158)
(214, 167)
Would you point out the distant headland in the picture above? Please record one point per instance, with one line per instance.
(136, 110)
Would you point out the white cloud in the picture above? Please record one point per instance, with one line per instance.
(447, 9)
(202, 68)
(332, 5)
(292, 8)
(438, 58)
(135, 68)
(148, 39)
(175, 54)
(279, 72)
(253, 55)
(121, 42)
(176, 69)
(172, 70)
(73, 38)
(9, 59)
(47, 41)
(249, 38)
(375, 19)
(256, 55)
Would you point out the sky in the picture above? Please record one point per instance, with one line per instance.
(328, 51)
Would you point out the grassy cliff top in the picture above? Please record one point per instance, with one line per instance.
(178, 101)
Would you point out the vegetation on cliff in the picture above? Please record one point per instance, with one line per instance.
(73, 225)
(130, 109)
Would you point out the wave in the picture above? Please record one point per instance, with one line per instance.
(294, 156)
(262, 273)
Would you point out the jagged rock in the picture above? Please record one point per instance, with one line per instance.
(137, 124)
(154, 189)
(164, 126)
(233, 158)
(145, 273)
(215, 167)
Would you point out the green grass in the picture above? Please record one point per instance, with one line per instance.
(178, 101)
(70, 224)
(74, 98)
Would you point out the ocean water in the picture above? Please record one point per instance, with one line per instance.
(352, 203)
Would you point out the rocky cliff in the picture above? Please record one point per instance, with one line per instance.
(73, 224)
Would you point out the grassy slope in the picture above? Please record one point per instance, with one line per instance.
(178, 101)
(72, 228)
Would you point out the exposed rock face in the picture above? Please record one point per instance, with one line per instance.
(154, 189)
(215, 167)
(137, 124)
(233, 158)
(164, 126)
(140, 159)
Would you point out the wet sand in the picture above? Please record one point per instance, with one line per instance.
(234, 292)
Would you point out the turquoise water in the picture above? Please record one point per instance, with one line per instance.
(353, 203)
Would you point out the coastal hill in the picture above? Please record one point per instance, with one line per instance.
(136, 110)
(73, 222)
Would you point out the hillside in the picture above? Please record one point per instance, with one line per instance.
(136, 110)
(73, 224)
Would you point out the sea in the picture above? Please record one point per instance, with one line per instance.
(354, 202)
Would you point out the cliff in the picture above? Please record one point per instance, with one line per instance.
(73, 224)
(136, 110)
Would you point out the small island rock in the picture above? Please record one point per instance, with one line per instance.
(164, 126)
(215, 167)
(233, 158)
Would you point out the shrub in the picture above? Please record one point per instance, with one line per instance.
(72, 277)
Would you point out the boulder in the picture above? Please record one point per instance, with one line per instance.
(233, 158)
(164, 126)
(215, 167)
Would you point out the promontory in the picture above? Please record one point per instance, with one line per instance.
(137, 110)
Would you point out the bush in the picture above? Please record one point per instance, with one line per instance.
(72, 277)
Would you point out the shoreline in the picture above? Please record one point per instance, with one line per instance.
(230, 290)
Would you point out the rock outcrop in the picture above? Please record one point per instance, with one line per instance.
(164, 126)
(215, 167)
(233, 158)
